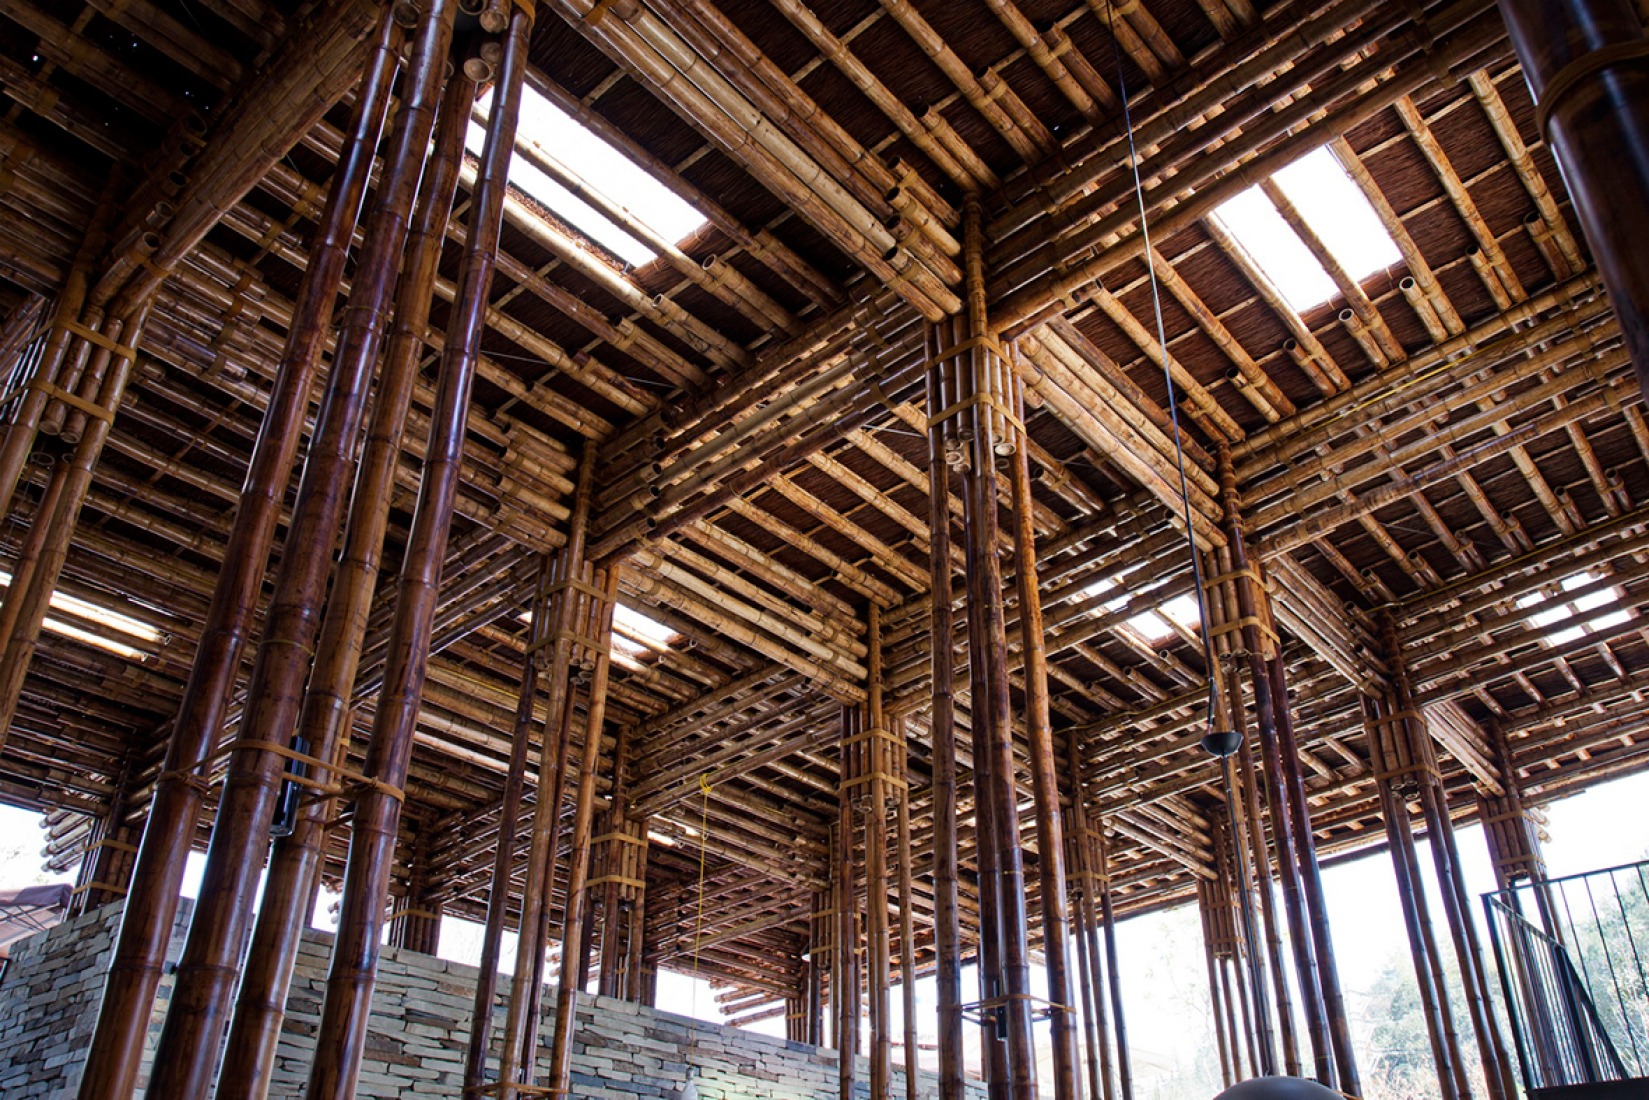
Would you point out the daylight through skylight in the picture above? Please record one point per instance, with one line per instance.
(103, 616)
(598, 167)
(635, 633)
(1556, 610)
(1155, 626)
(1338, 213)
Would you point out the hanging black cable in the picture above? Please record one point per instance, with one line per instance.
(1218, 742)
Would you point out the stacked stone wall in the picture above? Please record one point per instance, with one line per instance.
(419, 1028)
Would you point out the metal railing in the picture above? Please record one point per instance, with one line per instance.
(1573, 955)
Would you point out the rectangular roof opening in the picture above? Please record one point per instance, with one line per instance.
(1556, 609)
(597, 167)
(1338, 213)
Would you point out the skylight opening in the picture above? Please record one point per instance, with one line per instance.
(636, 634)
(1337, 211)
(597, 167)
(1153, 627)
(1555, 610)
(113, 620)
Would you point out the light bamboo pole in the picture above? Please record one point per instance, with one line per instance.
(900, 752)
(1087, 876)
(577, 906)
(323, 723)
(947, 932)
(341, 1038)
(134, 974)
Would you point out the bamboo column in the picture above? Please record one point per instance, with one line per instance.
(567, 597)
(204, 991)
(623, 878)
(1395, 772)
(604, 583)
(416, 925)
(873, 788)
(1407, 721)
(982, 404)
(324, 722)
(509, 813)
(844, 985)
(1050, 836)
(1289, 817)
(1583, 60)
(111, 850)
(1119, 1020)
(377, 813)
(947, 932)
(1212, 949)
(146, 925)
(907, 898)
(1512, 834)
(1087, 879)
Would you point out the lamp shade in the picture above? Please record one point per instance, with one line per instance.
(1221, 743)
(1278, 1088)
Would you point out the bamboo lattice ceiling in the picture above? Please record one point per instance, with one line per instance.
(1455, 439)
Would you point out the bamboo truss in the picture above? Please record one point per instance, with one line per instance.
(882, 449)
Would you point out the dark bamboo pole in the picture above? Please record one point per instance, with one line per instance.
(146, 926)
(1264, 1054)
(907, 915)
(1107, 912)
(947, 929)
(1411, 894)
(874, 799)
(988, 649)
(1050, 832)
(844, 987)
(373, 834)
(1583, 60)
(1283, 824)
(577, 909)
(205, 989)
(1339, 1021)
(1205, 901)
(521, 1019)
(1262, 881)
(1093, 979)
(324, 722)
(503, 863)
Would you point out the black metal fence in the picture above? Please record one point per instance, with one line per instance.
(1573, 955)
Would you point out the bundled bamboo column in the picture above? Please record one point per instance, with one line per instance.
(378, 807)
(907, 892)
(872, 788)
(1108, 918)
(983, 405)
(1510, 831)
(844, 984)
(1404, 732)
(324, 721)
(568, 597)
(1583, 60)
(146, 926)
(205, 988)
(416, 924)
(599, 627)
(1050, 836)
(947, 931)
(509, 813)
(111, 851)
(1396, 773)
(1291, 821)
(623, 878)
(1088, 883)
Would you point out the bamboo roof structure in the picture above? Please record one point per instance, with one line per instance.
(1451, 448)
